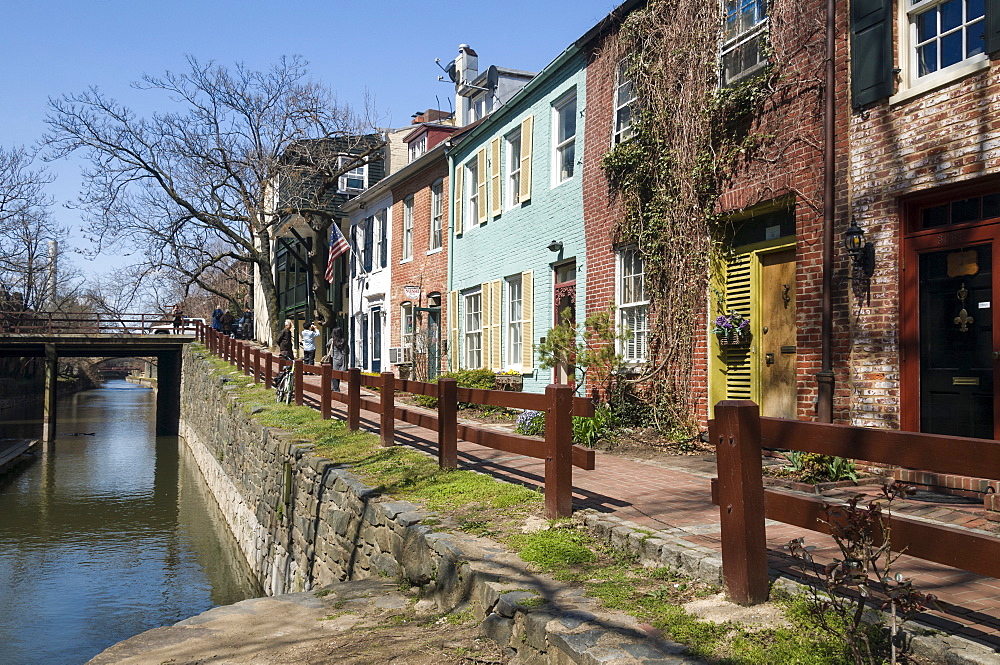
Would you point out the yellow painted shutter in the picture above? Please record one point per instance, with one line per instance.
(495, 194)
(737, 359)
(459, 197)
(526, 127)
(527, 327)
(481, 185)
(485, 324)
(496, 320)
(452, 314)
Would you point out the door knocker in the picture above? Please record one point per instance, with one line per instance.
(963, 319)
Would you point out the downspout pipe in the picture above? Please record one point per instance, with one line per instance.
(825, 377)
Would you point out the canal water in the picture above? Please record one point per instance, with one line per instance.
(113, 534)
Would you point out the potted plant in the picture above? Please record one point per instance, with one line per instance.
(732, 329)
(509, 380)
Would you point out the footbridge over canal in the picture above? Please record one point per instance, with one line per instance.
(88, 335)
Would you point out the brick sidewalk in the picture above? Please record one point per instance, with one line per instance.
(651, 493)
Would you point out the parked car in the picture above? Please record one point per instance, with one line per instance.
(189, 327)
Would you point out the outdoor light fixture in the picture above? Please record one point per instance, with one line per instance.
(555, 246)
(862, 260)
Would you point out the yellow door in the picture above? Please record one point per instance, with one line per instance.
(775, 352)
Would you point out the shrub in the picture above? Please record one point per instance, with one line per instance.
(482, 379)
(588, 431)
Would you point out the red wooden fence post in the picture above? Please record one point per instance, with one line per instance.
(447, 423)
(297, 365)
(256, 365)
(247, 355)
(559, 451)
(326, 392)
(354, 399)
(238, 355)
(269, 370)
(736, 434)
(387, 425)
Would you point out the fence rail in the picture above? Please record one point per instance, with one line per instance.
(739, 432)
(558, 403)
(82, 323)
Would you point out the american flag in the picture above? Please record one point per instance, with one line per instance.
(338, 245)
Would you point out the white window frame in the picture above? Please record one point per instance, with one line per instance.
(407, 328)
(621, 133)
(381, 218)
(437, 216)
(407, 229)
(560, 147)
(418, 147)
(512, 151)
(472, 329)
(911, 83)
(470, 207)
(514, 306)
(629, 285)
(355, 173)
(746, 35)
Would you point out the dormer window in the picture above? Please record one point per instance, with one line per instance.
(418, 148)
(743, 39)
(480, 105)
(354, 180)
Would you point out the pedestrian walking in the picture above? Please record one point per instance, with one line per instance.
(217, 319)
(178, 314)
(246, 324)
(284, 341)
(309, 337)
(336, 348)
(227, 323)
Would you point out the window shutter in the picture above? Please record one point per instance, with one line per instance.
(738, 299)
(485, 324)
(384, 223)
(871, 51)
(495, 323)
(355, 254)
(369, 238)
(526, 126)
(481, 185)
(459, 197)
(527, 328)
(495, 193)
(992, 26)
(453, 352)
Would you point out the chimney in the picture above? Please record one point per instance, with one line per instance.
(467, 64)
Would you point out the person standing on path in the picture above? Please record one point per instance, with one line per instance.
(217, 319)
(336, 348)
(227, 323)
(309, 337)
(178, 315)
(284, 341)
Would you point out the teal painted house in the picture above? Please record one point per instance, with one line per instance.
(517, 250)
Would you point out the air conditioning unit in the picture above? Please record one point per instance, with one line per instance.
(396, 355)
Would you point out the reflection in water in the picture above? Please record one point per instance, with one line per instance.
(112, 535)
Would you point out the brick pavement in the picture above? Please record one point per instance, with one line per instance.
(656, 494)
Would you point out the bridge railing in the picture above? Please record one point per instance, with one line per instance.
(81, 323)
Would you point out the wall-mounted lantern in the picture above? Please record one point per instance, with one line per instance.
(555, 246)
(862, 260)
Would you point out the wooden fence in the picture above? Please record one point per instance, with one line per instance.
(82, 323)
(739, 434)
(558, 403)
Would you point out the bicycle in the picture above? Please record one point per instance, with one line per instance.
(284, 385)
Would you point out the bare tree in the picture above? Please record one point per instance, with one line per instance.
(195, 190)
(26, 228)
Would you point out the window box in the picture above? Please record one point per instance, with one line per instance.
(512, 382)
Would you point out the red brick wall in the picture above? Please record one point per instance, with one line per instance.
(428, 270)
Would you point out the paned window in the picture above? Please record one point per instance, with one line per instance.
(624, 97)
(407, 228)
(633, 307)
(564, 119)
(418, 148)
(471, 194)
(515, 323)
(944, 34)
(473, 330)
(437, 213)
(513, 142)
(354, 180)
(743, 38)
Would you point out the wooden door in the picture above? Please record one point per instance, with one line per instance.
(956, 341)
(776, 339)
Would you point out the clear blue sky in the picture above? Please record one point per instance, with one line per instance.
(52, 47)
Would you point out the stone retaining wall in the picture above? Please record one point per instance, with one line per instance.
(303, 522)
